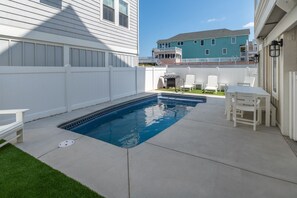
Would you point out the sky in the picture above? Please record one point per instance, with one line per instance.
(161, 19)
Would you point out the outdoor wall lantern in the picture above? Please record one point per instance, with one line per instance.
(256, 58)
(274, 48)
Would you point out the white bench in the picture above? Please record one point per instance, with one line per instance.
(15, 127)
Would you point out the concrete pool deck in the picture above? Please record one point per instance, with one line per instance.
(202, 155)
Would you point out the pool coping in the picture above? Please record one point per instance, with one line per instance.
(102, 166)
(83, 119)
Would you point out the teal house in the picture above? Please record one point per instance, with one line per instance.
(221, 43)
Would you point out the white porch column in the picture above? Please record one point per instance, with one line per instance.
(287, 64)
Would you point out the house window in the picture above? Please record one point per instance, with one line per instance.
(108, 10)
(233, 40)
(195, 42)
(180, 43)
(207, 52)
(202, 42)
(123, 15)
(213, 41)
(275, 77)
(52, 3)
(224, 51)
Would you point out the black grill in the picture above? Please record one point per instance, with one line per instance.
(171, 80)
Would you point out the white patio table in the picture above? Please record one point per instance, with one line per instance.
(261, 93)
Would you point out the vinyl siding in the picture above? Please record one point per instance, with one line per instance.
(79, 19)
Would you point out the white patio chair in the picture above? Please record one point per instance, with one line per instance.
(248, 81)
(15, 127)
(212, 83)
(189, 82)
(246, 103)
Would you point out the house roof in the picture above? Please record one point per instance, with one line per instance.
(206, 34)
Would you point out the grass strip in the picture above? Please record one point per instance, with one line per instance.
(21, 175)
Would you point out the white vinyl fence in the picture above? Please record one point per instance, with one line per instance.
(293, 106)
(152, 78)
(48, 91)
(226, 75)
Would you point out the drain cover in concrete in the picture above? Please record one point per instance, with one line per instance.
(66, 143)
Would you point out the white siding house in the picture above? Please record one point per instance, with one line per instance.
(44, 32)
(275, 27)
(60, 55)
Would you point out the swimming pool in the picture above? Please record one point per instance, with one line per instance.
(129, 124)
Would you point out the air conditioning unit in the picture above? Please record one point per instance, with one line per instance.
(286, 5)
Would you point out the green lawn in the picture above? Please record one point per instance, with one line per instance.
(21, 175)
(196, 91)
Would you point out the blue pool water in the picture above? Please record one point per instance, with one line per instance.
(135, 123)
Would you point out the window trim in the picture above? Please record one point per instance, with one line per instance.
(223, 51)
(274, 93)
(54, 7)
(116, 15)
(128, 16)
(201, 42)
(235, 40)
(102, 12)
(215, 42)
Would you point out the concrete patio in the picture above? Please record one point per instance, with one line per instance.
(202, 155)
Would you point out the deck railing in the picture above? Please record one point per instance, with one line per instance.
(170, 49)
(211, 60)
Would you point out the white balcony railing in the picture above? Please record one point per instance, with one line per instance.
(210, 60)
(171, 49)
(147, 60)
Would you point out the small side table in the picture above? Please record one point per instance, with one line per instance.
(199, 84)
(223, 86)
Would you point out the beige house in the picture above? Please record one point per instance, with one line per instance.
(276, 34)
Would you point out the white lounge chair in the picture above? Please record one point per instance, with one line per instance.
(246, 103)
(212, 83)
(189, 82)
(15, 127)
(248, 81)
